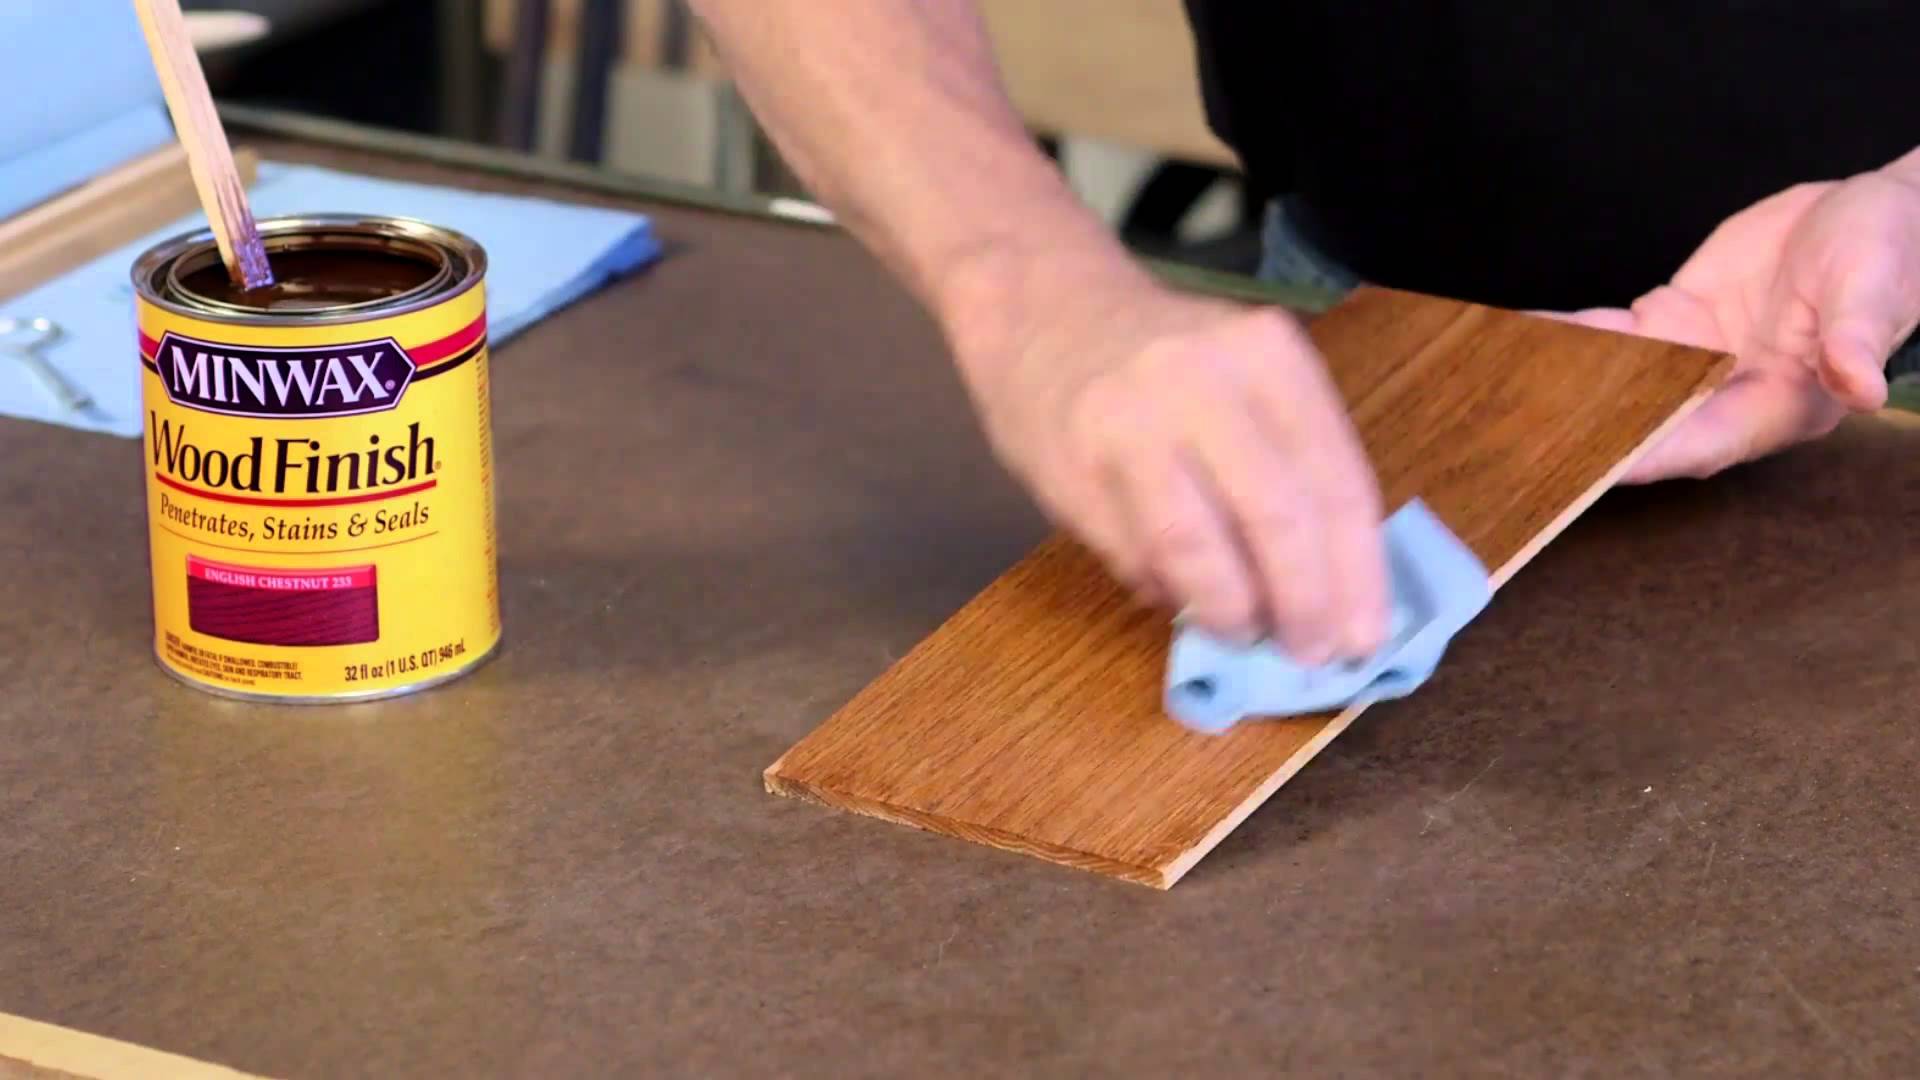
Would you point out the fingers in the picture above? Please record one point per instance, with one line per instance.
(1300, 410)
(1269, 502)
(1853, 365)
(1098, 514)
(1674, 314)
(1222, 518)
(1864, 314)
(1750, 417)
(1813, 289)
(1855, 272)
(1619, 320)
(1186, 538)
(1140, 502)
(1356, 566)
(1718, 431)
(1842, 315)
(1254, 521)
(1701, 445)
(1772, 401)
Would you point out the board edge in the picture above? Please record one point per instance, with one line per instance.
(983, 835)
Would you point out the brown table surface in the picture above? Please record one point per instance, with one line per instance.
(1655, 816)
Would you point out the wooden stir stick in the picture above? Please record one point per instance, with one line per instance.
(222, 194)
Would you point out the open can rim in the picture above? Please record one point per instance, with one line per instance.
(461, 264)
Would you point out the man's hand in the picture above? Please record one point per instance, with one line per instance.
(1201, 449)
(1197, 447)
(1811, 289)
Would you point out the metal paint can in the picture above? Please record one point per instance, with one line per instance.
(319, 461)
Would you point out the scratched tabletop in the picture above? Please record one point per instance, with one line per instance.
(1654, 817)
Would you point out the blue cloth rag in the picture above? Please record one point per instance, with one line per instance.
(1437, 586)
(542, 255)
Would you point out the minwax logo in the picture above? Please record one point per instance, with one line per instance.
(330, 380)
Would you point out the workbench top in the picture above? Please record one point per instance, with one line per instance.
(1653, 817)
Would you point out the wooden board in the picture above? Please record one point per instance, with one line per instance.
(31, 1050)
(1124, 71)
(1032, 720)
(104, 214)
(643, 33)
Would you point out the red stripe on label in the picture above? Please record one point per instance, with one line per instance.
(268, 606)
(149, 347)
(448, 347)
(253, 577)
(249, 500)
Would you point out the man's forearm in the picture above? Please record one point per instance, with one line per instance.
(892, 113)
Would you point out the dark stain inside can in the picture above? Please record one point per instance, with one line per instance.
(315, 278)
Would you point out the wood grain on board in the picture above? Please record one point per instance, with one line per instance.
(1032, 721)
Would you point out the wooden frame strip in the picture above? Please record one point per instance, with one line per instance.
(31, 1049)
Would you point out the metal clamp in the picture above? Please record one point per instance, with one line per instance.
(24, 339)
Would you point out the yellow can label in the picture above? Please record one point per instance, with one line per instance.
(320, 500)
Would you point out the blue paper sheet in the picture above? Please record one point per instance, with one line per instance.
(78, 96)
(542, 256)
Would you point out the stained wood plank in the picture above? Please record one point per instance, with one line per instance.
(1031, 721)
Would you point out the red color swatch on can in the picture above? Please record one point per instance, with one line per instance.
(267, 606)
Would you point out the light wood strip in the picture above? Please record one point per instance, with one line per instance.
(100, 216)
(57, 216)
(1123, 71)
(1032, 720)
(31, 1049)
